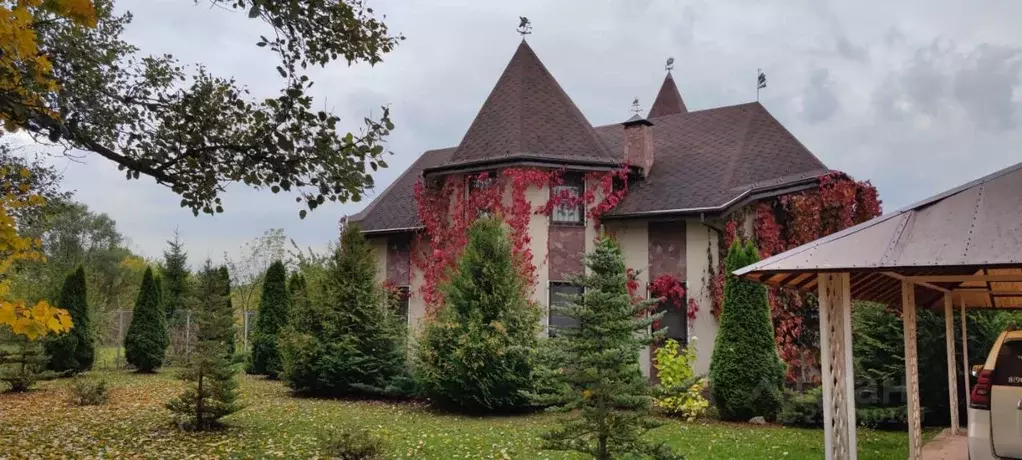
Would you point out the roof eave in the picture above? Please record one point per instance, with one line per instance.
(742, 199)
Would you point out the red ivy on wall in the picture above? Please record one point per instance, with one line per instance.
(448, 206)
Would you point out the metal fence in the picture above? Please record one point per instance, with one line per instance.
(112, 327)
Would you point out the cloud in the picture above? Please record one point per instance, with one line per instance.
(918, 95)
(819, 100)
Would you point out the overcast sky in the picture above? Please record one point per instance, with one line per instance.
(917, 96)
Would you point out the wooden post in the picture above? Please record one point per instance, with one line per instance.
(836, 354)
(965, 356)
(952, 371)
(908, 317)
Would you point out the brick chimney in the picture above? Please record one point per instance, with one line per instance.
(639, 143)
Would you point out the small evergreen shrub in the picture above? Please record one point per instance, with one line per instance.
(74, 351)
(475, 355)
(274, 309)
(802, 409)
(89, 391)
(348, 343)
(211, 392)
(680, 391)
(353, 443)
(145, 343)
(606, 396)
(746, 374)
(22, 364)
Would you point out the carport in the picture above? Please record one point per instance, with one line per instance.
(957, 250)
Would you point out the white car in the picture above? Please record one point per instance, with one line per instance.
(995, 404)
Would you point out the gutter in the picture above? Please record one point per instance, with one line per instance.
(524, 160)
(742, 198)
(388, 231)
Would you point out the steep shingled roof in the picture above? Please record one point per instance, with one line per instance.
(704, 161)
(668, 100)
(528, 113)
(707, 158)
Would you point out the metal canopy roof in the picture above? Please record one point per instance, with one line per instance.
(967, 240)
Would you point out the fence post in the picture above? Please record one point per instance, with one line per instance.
(188, 332)
(118, 362)
(244, 321)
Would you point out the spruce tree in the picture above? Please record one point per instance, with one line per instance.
(602, 385)
(352, 344)
(212, 390)
(146, 342)
(475, 354)
(274, 309)
(175, 274)
(75, 351)
(225, 283)
(746, 374)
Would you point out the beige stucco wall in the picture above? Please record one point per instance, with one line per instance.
(704, 327)
(379, 245)
(539, 236)
(416, 305)
(633, 236)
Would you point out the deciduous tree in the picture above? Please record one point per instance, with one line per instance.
(67, 76)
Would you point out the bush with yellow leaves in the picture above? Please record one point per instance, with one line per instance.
(680, 392)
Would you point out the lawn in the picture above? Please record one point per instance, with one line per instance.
(43, 424)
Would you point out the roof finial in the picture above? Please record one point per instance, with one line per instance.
(670, 64)
(524, 27)
(635, 106)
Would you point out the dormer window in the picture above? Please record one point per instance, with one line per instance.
(569, 209)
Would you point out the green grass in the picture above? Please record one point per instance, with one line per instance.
(43, 424)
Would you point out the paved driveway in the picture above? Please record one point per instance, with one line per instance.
(947, 447)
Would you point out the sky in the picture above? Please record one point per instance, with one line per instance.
(917, 96)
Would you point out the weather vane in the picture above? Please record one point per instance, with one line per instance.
(670, 64)
(525, 26)
(635, 106)
(760, 81)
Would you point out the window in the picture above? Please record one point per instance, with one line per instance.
(401, 306)
(562, 294)
(479, 184)
(570, 211)
(675, 319)
(1008, 368)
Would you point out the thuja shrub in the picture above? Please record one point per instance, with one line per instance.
(746, 373)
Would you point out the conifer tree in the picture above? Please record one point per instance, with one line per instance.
(604, 389)
(746, 374)
(175, 274)
(352, 344)
(475, 355)
(225, 283)
(145, 344)
(274, 309)
(212, 390)
(75, 351)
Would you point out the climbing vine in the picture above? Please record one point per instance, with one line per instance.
(447, 207)
(793, 220)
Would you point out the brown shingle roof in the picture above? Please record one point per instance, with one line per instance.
(395, 208)
(704, 161)
(668, 100)
(528, 113)
(708, 158)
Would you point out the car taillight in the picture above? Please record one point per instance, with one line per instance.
(980, 398)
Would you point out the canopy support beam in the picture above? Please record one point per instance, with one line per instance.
(908, 316)
(836, 356)
(965, 356)
(952, 371)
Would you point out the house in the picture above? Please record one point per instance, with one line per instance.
(663, 184)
